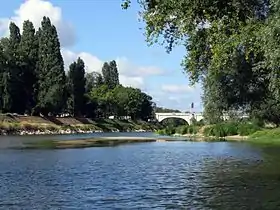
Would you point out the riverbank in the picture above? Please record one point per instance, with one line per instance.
(27, 125)
(104, 141)
(263, 136)
(227, 131)
(201, 137)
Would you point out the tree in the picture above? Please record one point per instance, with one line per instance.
(110, 74)
(114, 74)
(51, 75)
(231, 48)
(165, 110)
(93, 80)
(77, 82)
(3, 68)
(12, 86)
(98, 97)
(28, 57)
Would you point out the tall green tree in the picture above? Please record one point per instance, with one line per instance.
(3, 68)
(114, 74)
(51, 75)
(77, 82)
(110, 74)
(12, 74)
(28, 57)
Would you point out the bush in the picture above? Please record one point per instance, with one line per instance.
(245, 129)
(167, 131)
(230, 129)
(217, 130)
(192, 129)
(182, 129)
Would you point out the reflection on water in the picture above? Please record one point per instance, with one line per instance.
(160, 175)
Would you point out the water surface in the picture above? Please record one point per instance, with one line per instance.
(159, 175)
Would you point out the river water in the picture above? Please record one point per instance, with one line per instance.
(158, 175)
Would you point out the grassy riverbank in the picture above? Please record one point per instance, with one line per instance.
(24, 125)
(266, 136)
(227, 131)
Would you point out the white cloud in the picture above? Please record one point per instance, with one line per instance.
(34, 10)
(177, 88)
(130, 74)
(130, 69)
(136, 82)
(92, 63)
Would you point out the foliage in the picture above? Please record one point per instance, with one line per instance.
(51, 75)
(232, 48)
(28, 57)
(110, 74)
(231, 129)
(76, 85)
(184, 129)
(121, 101)
(167, 131)
(93, 80)
(33, 80)
(165, 110)
(245, 129)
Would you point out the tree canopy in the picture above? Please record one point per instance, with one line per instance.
(232, 48)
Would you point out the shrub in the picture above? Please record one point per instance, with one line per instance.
(192, 129)
(167, 131)
(230, 128)
(182, 129)
(245, 129)
(218, 130)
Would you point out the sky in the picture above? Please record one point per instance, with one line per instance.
(99, 31)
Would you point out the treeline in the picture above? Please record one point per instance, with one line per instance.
(33, 80)
(165, 110)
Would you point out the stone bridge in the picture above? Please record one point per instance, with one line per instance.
(185, 116)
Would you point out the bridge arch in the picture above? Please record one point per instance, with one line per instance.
(185, 116)
(186, 119)
(175, 120)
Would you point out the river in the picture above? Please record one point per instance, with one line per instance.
(158, 175)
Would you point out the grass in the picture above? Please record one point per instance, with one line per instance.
(266, 136)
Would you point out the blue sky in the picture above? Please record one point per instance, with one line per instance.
(98, 31)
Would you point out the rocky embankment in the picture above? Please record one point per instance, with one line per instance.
(22, 132)
(59, 126)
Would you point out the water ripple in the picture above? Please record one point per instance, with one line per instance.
(144, 176)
